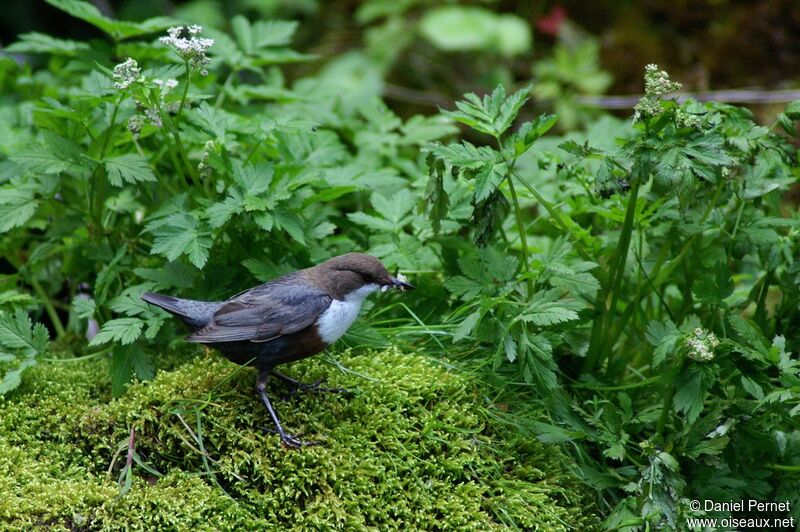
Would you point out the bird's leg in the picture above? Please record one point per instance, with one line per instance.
(316, 386)
(287, 439)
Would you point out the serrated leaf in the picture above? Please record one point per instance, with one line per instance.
(122, 330)
(17, 206)
(13, 378)
(547, 433)
(118, 29)
(689, 393)
(394, 209)
(181, 234)
(371, 222)
(663, 336)
(464, 154)
(510, 348)
(121, 371)
(529, 133)
(83, 306)
(18, 332)
(128, 168)
(142, 364)
(35, 42)
(291, 223)
(437, 201)
(466, 326)
(752, 387)
(464, 287)
(546, 309)
(487, 179)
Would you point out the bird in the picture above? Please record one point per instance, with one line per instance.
(286, 319)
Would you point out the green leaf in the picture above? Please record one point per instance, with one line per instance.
(121, 371)
(34, 42)
(690, 391)
(663, 336)
(487, 179)
(510, 348)
(84, 307)
(18, 332)
(547, 433)
(752, 387)
(466, 326)
(493, 114)
(464, 155)
(17, 206)
(181, 234)
(122, 330)
(57, 154)
(464, 28)
(13, 378)
(117, 29)
(290, 222)
(437, 201)
(529, 133)
(371, 222)
(547, 309)
(716, 287)
(396, 208)
(128, 168)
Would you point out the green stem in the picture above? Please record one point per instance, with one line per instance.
(553, 212)
(224, 89)
(49, 308)
(103, 148)
(523, 239)
(607, 297)
(646, 382)
(783, 467)
(185, 91)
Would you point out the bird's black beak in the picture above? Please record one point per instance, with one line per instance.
(401, 285)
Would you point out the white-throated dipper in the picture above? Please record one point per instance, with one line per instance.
(289, 318)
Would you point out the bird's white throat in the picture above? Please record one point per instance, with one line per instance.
(340, 315)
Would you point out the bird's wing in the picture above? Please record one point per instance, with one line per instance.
(265, 312)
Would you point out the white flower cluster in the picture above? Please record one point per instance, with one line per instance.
(701, 345)
(126, 74)
(656, 84)
(190, 47)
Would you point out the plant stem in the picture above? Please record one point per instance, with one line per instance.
(523, 239)
(607, 298)
(49, 308)
(223, 91)
(553, 212)
(103, 148)
(185, 91)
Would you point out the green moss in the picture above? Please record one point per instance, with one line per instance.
(414, 448)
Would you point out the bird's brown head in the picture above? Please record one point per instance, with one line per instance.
(348, 273)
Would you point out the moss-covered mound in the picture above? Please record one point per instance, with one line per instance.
(414, 448)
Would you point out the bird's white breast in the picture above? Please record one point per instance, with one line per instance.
(340, 315)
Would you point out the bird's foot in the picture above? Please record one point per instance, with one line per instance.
(292, 441)
(316, 386)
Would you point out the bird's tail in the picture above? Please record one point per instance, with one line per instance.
(195, 314)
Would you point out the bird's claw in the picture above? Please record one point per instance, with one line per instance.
(293, 442)
(317, 386)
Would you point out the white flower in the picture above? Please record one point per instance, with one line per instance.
(154, 117)
(190, 48)
(656, 84)
(135, 125)
(126, 74)
(701, 345)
